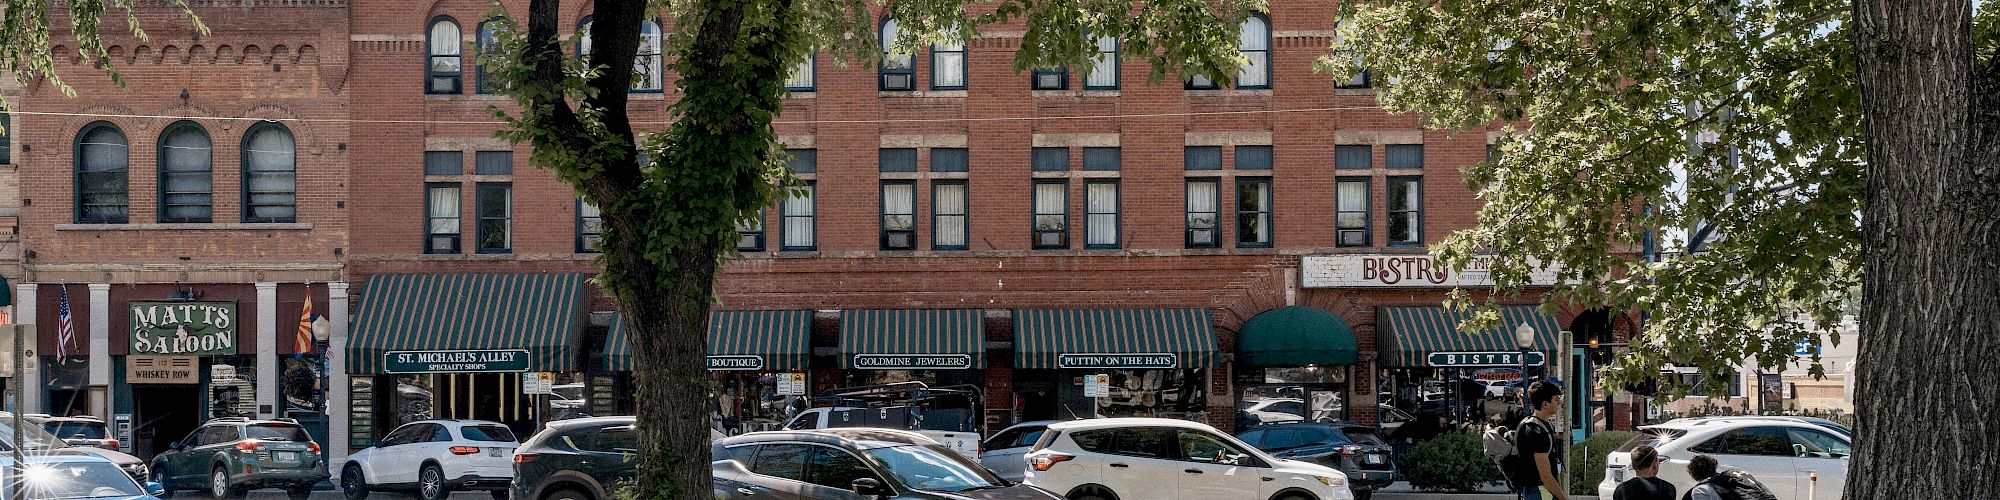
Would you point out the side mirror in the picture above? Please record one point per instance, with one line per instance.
(155, 489)
(177, 446)
(870, 487)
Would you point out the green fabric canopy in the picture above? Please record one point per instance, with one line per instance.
(1407, 335)
(777, 340)
(1297, 336)
(539, 313)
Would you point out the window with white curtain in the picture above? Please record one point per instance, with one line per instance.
(898, 69)
(270, 174)
(1103, 67)
(446, 64)
(948, 215)
(1253, 212)
(1203, 199)
(441, 214)
(186, 179)
(1254, 42)
(899, 215)
(1406, 210)
(1051, 214)
(583, 39)
(801, 78)
(1100, 209)
(589, 226)
(1351, 212)
(948, 65)
(648, 64)
(101, 162)
(797, 222)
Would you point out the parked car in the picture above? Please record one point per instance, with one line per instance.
(75, 476)
(854, 464)
(1781, 453)
(228, 456)
(1005, 452)
(578, 459)
(433, 458)
(1145, 458)
(1275, 411)
(1354, 449)
(77, 431)
(950, 415)
(41, 441)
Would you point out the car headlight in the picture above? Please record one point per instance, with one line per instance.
(1332, 480)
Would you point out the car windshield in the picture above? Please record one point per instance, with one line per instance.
(1363, 435)
(933, 468)
(270, 432)
(66, 430)
(1654, 437)
(491, 433)
(66, 480)
(36, 438)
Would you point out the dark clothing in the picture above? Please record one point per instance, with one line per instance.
(1535, 436)
(1644, 488)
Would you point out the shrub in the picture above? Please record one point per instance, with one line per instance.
(1586, 459)
(1450, 462)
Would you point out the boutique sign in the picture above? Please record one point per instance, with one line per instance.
(184, 328)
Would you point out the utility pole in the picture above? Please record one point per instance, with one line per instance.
(20, 361)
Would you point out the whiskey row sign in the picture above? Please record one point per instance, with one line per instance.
(1400, 270)
(184, 328)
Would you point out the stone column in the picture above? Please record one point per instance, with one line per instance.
(24, 313)
(267, 350)
(339, 392)
(100, 350)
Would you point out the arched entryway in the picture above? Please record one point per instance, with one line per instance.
(1294, 363)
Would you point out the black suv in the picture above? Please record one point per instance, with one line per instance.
(1369, 462)
(854, 464)
(576, 459)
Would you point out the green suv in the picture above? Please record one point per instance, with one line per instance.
(228, 456)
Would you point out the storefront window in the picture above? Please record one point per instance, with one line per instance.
(750, 402)
(1291, 394)
(231, 388)
(1178, 394)
(497, 397)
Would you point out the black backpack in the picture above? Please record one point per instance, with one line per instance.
(1518, 466)
(1734, 485)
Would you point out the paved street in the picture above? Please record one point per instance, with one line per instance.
(1400, 492)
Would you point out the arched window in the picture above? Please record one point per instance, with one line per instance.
(1360, 78)
(583, 38)
(270, 174)
(488, 42)
(948, 65)
(187, 191)
(101, 158)
(446, 65)
(898, 71)
(647, 65)
(1254, 43)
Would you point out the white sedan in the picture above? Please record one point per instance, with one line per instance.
(432, 458)
(1784, 454)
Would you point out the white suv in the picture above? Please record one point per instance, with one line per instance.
(432, 458)
(1784, 454)
(1148, 458)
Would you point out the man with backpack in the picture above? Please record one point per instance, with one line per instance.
(1535, 464)
(1724, 485)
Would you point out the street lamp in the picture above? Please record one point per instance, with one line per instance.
(1525, 335)
(322, 329)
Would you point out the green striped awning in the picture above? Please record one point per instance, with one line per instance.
(902, 339)
(1408, 334)
(468, 322)
(737, 340)
(1113, 338)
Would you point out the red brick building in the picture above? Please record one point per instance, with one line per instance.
(966, 224)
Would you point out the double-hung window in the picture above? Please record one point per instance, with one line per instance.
(1406, 210)
(797, 222)
(1360, 78)
(589, 227)
(648, 64)
(186, 177)
(1351, 212)
(487, 43)
(495, 208)
(1100, 213)
(1051, 225)
(441, 217)
(446, 66)
(1254, 43)
(270, 174)
(1203, 199)
(948, 65)
(1253, 212)
(948, 214)
(750, 233)
(1103, 67)
(898, 69)
(899, 215)
(803, 75)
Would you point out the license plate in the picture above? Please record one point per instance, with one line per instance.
(288, 456)
(496, 452)
(1374, 459)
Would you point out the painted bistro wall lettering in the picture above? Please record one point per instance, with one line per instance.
(1400, 270)
(184, 328)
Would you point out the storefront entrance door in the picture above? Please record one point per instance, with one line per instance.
(161, 416)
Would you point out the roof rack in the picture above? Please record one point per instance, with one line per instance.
(230, 419)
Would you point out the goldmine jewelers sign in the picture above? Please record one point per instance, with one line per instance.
(184, 328)
(1399, 270)
(510, 360)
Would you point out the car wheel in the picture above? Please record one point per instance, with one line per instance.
(353, 484)
(1364, 494)
(567, 495)
(160, 476)
(218, 484)
(299, 492)
(430, 483)
(498, 494)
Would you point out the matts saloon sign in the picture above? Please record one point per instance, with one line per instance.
(184, 328)
(1399, 270)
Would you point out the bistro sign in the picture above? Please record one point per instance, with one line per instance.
(913, 361)
(1400, 270)
(1473, 359)
(735, 362)
(512, 360)
(184, 328)
(1151, 360)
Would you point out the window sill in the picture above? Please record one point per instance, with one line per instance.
(801, 94)
(922, 93)
(466, 97)
(1228, 92)
(226, 226)
(1072, 93)
(1366, 91)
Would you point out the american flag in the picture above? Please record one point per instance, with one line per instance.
(65, 330)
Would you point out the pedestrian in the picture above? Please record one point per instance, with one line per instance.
(1702, 467)
(1646, 485)
(1713, 484)
(1537, 443)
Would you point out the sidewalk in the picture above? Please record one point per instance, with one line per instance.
(1403, 491)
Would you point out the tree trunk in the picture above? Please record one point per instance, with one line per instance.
(669, 325)
(1928, 409)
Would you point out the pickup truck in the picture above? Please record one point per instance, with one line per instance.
(950, 416)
